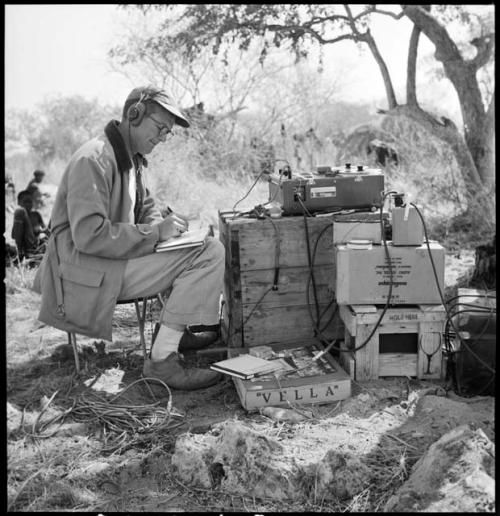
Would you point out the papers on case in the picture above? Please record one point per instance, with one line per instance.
(246, 366)
(190, 238)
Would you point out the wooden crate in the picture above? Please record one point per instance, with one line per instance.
(331, 386)
(412, 334)
(252, 317)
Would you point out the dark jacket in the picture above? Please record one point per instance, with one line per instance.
(22, 232)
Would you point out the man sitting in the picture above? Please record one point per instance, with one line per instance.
(104, 230)
(27, 228)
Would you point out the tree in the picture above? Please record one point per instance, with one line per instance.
(146, 52)
(59, 125)
(298, 27)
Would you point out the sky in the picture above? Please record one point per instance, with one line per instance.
(62, 49)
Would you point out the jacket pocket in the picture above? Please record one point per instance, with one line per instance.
(81, 294)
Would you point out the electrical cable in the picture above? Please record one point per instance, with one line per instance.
(311, 278)
(457, 333)
(320, 335)
(450, 349)
(308, 284)
(450, 317)
(263, 172)
(277, 253)
(485, 296)
(480, 335)
(311, 269)
(279, 180)
(247, 194)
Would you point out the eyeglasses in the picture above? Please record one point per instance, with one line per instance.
(163, 130)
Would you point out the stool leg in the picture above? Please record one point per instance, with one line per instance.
(160, 299)
(72, 343)
(140, 320)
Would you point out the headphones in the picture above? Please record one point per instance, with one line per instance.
(137, 111)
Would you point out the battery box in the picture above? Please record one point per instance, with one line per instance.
(407, 228)
(363, 276)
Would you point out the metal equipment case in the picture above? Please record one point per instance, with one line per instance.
(321, 192)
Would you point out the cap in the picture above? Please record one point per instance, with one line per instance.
(160, 97)
(38, 173)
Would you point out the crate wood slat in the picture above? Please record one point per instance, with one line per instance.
(231, 330)
(404, 363)
(430, 344)
(346, 360)
(367, 357)
(426, 321)
(258, 243)
(286, 323)
(232, 286)
(292, 284)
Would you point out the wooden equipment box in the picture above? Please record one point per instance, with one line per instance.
(408, 342)
(253, 313)
(325, 382)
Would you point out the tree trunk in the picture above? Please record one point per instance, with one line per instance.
(463, 75)
(485, 268)
(479, 198)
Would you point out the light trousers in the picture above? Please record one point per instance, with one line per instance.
(194, 277)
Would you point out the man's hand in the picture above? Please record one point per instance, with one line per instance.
(184, 218)
(172, 225)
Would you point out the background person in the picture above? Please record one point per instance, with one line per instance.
(104, 229)
(27, 241)
(34, 188)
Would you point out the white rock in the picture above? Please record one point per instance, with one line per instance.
(456, 474)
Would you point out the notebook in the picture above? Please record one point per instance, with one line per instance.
(190, 238)
(246, 366)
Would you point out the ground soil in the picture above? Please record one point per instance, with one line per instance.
(62, 459)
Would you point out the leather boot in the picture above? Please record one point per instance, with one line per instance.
(191, 340)
(176, 375)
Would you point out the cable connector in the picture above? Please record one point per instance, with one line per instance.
(276, 278)
(319, 355)
(462, 335)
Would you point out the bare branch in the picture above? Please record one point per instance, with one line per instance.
(397, 16)
(368, 39)
(484, 46)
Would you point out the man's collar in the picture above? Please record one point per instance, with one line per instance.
(122, 157)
